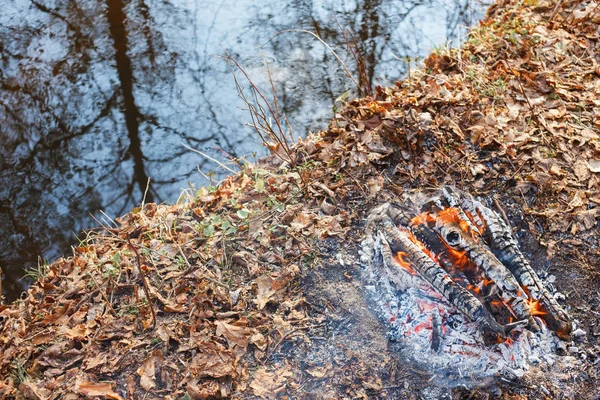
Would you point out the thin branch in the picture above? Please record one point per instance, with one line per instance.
(209, 157)
(144, 281)
(316, 36)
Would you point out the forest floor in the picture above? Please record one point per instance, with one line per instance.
(252, 288)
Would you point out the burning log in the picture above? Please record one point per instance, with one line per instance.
(400, 241)
(502, 243)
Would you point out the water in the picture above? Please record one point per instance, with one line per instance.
(97, 97)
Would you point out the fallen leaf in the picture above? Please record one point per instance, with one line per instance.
(98, 389)
(270, 384)
(594, 165)
(375, 185)
(79, 332)
(264, 292)
(478, 169)
(206, 390)
(301, 221)
(259, 340)
(234, 334)
(148, 370)
(319, 372)
(580, 169)
(213, 360)
(30, 391)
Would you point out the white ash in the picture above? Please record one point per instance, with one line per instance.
(408, 306)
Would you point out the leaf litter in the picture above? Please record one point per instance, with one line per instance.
(252, 285)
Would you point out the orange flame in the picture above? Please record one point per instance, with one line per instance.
(451, 215)
(421, 246)
(459, 257)
(481, 219)
(474, 289)
(422, 219)
(404, 263)
(535, 307)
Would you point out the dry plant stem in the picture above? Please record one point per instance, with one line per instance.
(108, 303)
(258, 115)
(534, 114)
(145, 193)
(499, 207)
(231, 158)
(275, 103)
(192, 268)
(144, 281)
(354, 50)
(279, 138)
(555, 11)
(210, 158)
(342, 63)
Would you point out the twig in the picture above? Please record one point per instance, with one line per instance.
(144, 281)
(108, 303)
(517, 384)
(499, 207)
(145, 192)
(342, 63)
(275, 103)
(354, 50)
(555, 11)
(535, 115)
(191, 268)
(258, 113)
(287, 334)
(210, 158)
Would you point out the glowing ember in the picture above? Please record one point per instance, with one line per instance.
(404, 263)
(535, 307)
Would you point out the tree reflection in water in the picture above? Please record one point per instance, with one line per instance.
(98, 96)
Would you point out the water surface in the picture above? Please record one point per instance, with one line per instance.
(98, 97)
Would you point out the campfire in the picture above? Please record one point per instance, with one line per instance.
(457, 295)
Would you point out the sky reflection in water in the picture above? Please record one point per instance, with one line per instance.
(98, 96)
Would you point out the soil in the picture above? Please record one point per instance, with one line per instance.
(252, 289)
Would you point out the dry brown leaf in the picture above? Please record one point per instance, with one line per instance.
(264, 292)
(375, 185)
(234, 334)
(98, 389)
(79, 332)
(478, 169)
(301, 221)
(594, 165)
(259, 340)
(148, 369)
(204, 391)
(556, 113)
(319, 372)
(580, 168)
(587, 218)
(270, 384)
(328, 226)
(30, 391)
(213, 360)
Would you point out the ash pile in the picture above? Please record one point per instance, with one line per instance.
(458, 298)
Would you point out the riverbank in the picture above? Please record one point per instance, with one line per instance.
(251, 288)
